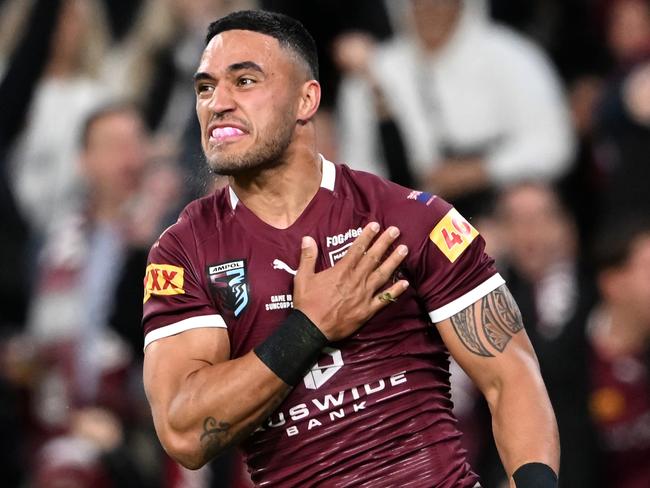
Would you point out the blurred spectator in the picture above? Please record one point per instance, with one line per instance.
(623, 120)
(24, 66)
(126, 200)
(152, 63)
(627, 25)
(44, 176)
(21, 70)
(619, 330)
(477, 105)
(555, 293)
(123, 208)
(91, 455)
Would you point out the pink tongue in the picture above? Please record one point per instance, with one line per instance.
(225, 132)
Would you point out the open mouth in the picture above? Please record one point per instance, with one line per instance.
(223, 134)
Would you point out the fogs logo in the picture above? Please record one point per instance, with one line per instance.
(319, 373)
(229, 281)
(339, 239)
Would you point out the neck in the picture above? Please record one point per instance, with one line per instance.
(279, 195)
(107, 207)
(59, 67)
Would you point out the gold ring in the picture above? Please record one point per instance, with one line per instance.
(386, 297)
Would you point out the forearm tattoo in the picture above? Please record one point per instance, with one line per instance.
(214, 436)
(500, 320)
(218, 435)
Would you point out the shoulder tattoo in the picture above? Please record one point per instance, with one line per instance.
(499, 320)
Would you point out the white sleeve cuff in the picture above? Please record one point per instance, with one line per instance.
(461, 303)
(187, 324)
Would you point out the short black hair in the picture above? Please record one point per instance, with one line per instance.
(289, 32)
(110, 108)
(615, 241)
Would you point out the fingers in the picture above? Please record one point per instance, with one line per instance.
(360, 245)
(389, 295)
(385, 270)
(308, 256)
(374, 256)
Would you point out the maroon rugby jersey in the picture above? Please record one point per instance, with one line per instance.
(620, 404)
(375, 409)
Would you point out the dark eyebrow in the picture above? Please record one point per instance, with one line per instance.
(202, 75)
(246, 65)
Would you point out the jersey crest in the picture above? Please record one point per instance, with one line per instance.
(230, 284)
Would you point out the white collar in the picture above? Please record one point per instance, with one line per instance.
(327, 181)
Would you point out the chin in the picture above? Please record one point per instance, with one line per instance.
(231, 165)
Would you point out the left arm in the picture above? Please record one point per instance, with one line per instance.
(489, 342)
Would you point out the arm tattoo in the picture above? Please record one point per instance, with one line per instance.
(217, 435)
(505, 309)
(500, 319)
(465, 328)
(214, 436)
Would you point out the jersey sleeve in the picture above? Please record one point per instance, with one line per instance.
(174, 299)
(449, 266)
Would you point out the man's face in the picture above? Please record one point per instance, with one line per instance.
(435, 20)
(538, 233)
(247, 94)
(633, 286)
(116, 153)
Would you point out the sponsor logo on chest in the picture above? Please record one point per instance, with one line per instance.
(332, 407)
(341, 243)
(229, 281)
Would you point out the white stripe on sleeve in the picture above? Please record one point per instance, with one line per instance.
(461, 303)
(197, 322)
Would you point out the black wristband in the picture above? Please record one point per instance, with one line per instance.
(293, 348)
(535, 475)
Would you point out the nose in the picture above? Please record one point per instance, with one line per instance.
(222, 100)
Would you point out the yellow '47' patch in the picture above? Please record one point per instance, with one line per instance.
(453, 234)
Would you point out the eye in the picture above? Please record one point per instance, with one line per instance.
(245, 81)
(203, 88)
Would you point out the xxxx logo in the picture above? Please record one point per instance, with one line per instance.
(163, 279)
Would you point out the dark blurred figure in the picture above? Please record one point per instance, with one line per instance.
(83, 366)
(22, 71)
(623, 119)
(555, 294)
(326, 19)
(569, 30)
(619, 328)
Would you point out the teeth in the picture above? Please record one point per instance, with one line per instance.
(221, 132)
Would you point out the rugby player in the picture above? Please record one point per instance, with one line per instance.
(307, 311)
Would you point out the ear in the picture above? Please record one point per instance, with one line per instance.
(309, 101)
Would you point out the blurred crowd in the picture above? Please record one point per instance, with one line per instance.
(533, 118)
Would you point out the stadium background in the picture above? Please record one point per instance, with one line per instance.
(77, 217)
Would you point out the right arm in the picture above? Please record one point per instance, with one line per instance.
(204, 402)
